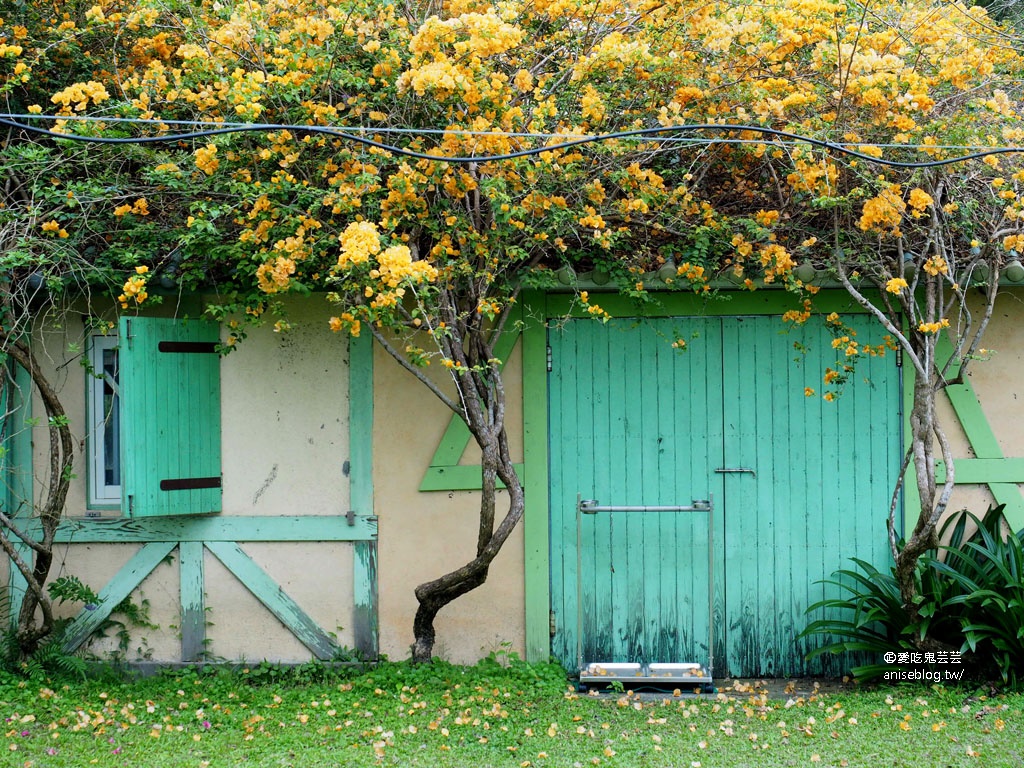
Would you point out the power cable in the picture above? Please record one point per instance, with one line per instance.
(350, 134)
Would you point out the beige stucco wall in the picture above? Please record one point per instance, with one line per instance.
(285, 440)
(998, 381)
(424, 535)
(284, 445)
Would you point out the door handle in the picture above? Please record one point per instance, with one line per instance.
(735, 470)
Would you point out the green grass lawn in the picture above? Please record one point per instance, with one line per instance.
(488, 715)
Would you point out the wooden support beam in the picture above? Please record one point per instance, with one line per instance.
(219, 528)
(270, 593)
(365, 623)
(192, 581)
(536, 521)
(123, 584)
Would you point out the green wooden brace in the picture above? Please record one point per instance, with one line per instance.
(123, 584)
(268, 592)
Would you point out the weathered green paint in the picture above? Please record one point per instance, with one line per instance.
(230, 528)
(445, 473)
(365, 621)
(268, 592)
(192, 582)
(624, 434)
(170, 417)
(635, 422)
(123, 584)
(825, 472)
(535, 448)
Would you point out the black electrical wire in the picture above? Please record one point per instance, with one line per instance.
(465, 160)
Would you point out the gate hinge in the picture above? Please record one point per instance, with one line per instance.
(551, 623)
(549, 358)
(899, 357)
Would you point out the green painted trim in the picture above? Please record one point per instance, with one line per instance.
(984, 444)
(445, 473)
(981, 471)
(209, 529)
(460, 477)
(968, 409)
(1009, 495)
(192, 580)
(268, 592)
(360, 424)
(365, 620)
(972, 419)
(536, 525)
(125, 582)
(724, 303)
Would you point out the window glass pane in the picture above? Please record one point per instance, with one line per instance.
(111, 421)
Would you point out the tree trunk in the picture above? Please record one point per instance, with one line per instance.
(925, 432)
(435, 595)
(30, 633)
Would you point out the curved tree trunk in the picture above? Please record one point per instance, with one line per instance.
(31, 628)
(436, 594)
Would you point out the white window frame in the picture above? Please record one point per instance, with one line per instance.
(101, 493)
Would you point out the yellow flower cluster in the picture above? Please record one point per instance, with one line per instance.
(80, 95)
(776, 260)
(275, 276)
(896, 285)
(798, 316)
(359, 242)
(447, 55)
(348, 322)
(206, 159)
(592, 220)
(919, 201)
(936, 266)
(1013, 242)
(134, 289)
(53, 228)
(140, 208)
(395, 266)
(884, 212)
(933, 328)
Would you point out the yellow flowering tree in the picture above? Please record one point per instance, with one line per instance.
(427, 162)
(59, 243)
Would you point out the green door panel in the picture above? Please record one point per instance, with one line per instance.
(636, 422)
(170, 417)
(622, 434)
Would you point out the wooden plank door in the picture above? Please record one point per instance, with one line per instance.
(824, 477)
(635, 422)
(625, 431)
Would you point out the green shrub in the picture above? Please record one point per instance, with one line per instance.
(970, 598)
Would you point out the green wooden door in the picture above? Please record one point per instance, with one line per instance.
(635, 422)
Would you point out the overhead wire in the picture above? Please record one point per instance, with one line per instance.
(355, 134)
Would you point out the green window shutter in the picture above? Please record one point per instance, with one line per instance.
(169, 383)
